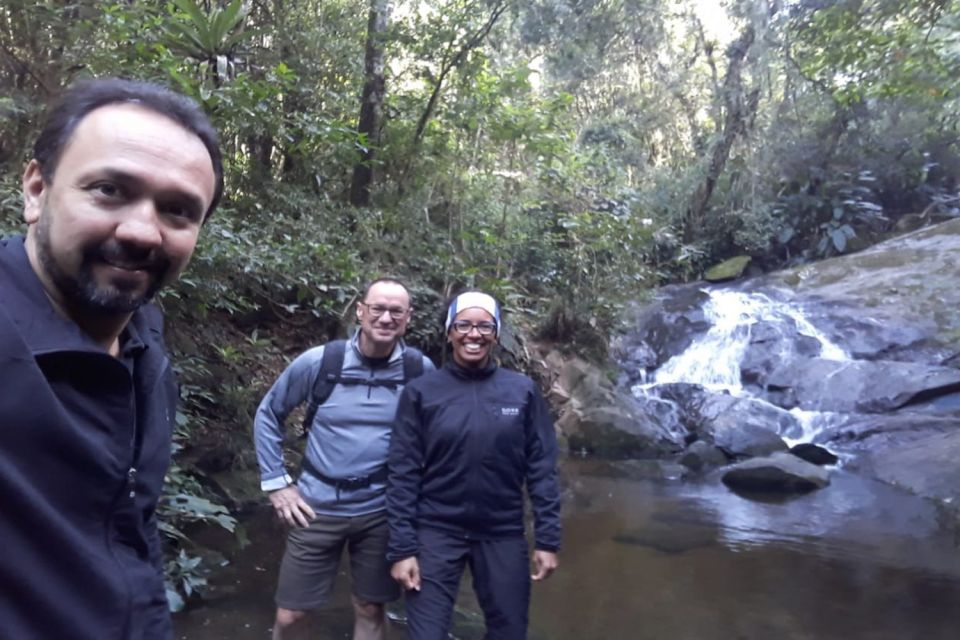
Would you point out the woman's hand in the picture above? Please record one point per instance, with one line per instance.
(407, 573)
(544, 563)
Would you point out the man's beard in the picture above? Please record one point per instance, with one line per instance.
(83, 290)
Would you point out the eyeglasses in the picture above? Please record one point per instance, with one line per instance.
(377, 310)
(483, 328)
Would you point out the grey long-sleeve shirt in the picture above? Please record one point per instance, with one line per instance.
(349, 436)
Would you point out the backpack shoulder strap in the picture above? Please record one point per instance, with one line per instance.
(331, 365)
(412, 364)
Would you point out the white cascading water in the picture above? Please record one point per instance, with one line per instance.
(713, 360)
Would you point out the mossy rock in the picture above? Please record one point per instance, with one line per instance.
(727, 270)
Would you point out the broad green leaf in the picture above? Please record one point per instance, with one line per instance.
(839, 240)
(175, 601)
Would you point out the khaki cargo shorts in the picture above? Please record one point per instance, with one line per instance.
(312, 559)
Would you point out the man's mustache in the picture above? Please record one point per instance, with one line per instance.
(130, 257)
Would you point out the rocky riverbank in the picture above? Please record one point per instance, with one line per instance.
(858, 354)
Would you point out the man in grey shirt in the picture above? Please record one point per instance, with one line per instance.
(339, 499)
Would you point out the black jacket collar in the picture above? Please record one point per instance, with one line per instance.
(472, 373)
(42, 329)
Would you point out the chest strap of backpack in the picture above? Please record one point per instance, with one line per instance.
(350, 483)
(331, 374)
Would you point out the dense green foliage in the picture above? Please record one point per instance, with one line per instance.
(567, 155)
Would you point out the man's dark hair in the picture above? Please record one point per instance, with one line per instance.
(387, 279)
(77, 101)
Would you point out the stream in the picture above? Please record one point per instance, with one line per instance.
(652, 560)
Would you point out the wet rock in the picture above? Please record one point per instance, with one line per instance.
(610, 431)
(684, 394)
(749, 440)
(926, 464)
(599, 418)
(702, 456)
(813, 454)
(783, 398)
(668, 325)
(742, 425)
(861, 386)
(771, 344)
(635, 360)
(727, 270)
(862, 432)
(895, 300)
(945, 404)
(650, 469)
(777, 473)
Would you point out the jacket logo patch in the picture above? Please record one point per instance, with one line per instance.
(509, 411)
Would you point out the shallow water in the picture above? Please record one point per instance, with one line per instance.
(652, 560)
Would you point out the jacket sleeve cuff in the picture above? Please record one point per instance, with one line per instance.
(397, 556)
(273, 484)
(546, 547)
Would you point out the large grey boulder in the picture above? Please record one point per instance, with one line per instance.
(600, 418)
(609, 431)
(749, 440)
(928, 465)
(814, 454)
(740, 425)
(665, 327)
(777, 473)
(856, 432)
(770, 345)
(915, 450)
(858, 385)
(896, 300)
(702, 456)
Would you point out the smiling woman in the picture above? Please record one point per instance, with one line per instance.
(472, 336)
(466, 441)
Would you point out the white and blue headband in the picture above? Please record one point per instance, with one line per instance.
(473, 299)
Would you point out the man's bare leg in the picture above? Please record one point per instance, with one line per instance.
(288, 624)
(370, 620)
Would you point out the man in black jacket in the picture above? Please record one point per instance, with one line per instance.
(123, 176)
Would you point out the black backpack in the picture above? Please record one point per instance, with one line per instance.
(331, 369)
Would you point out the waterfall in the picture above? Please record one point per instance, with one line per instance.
(714, 359)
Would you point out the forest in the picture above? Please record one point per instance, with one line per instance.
(568, 156)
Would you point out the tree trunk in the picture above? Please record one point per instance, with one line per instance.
(739, 109)
(371, 103)
(451, 62)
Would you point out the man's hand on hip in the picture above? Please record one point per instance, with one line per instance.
(290, 506)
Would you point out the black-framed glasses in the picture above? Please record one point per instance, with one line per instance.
(483, 328)
(377, 310)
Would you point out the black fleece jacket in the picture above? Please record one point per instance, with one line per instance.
(84, 446)
(464, 444)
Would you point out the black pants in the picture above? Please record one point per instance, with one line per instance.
(501, 580)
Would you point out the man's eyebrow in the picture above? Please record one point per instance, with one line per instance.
(193, 202)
